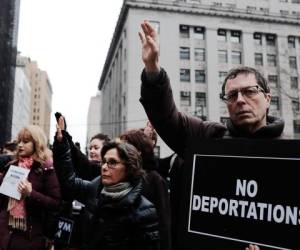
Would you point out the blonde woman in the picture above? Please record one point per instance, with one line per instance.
(21, 221)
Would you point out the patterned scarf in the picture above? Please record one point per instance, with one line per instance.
(117, 191)
(16, 208)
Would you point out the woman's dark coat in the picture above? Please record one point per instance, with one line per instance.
(130, 223)
(45, 197)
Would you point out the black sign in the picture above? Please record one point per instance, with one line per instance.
(238, 192)
(64, 230)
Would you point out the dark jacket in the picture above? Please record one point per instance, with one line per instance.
(45, 197)
(84, 168)
(176, 128)
(130, 223)
(155, 189)
(4, 159)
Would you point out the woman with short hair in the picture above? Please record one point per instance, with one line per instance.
(119, 217)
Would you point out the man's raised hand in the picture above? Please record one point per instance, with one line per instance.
(150, 47)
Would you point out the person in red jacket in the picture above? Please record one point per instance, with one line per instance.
(22, 224)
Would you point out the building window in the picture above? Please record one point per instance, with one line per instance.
(273, 80)
(296, 13)
(291, 42)
(222, 35)
(222, 55)
(257, 38)
(235, 36)
(264, 10)
(297, 126)
(199, 55)
(199, 33)
(294, 82)
(222, 76)
(125, 54)
(251, 9)
(185, 98)
(271, 39)
(284, 12)
(185, 75)
(184, 53)
(258, 57)
(271, 60)
(296, 105)
(199, 76)
(184, 31)
(274, 105)
(200, 99)
(293, 62)
(236, 57)
(230, 6)
(218, 4)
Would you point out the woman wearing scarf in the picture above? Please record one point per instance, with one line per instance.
(118, 216)
(21, 221)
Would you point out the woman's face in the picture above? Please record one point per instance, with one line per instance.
(25, 147)
(113, 170)
(95, 150)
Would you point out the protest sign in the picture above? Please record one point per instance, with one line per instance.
(11, 180)
(237, 192)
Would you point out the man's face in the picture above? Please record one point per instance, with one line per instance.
(247, 112)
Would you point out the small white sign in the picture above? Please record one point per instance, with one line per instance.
(11, 180)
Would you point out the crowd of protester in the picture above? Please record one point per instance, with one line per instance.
(120, 196)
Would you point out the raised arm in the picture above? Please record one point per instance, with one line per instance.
(174, 127)
(83, 167)
(72, 187)
(150, 47)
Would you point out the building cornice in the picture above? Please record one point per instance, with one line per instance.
(214, 10)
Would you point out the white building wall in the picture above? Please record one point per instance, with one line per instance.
(22, 99)
(94, 117)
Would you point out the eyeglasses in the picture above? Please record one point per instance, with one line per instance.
(111, 163)
(248, 92)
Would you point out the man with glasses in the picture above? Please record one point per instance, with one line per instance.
(245, 92)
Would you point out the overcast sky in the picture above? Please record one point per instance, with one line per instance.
(69, 39)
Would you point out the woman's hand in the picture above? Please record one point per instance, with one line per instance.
(59, 127)
(25, 188)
